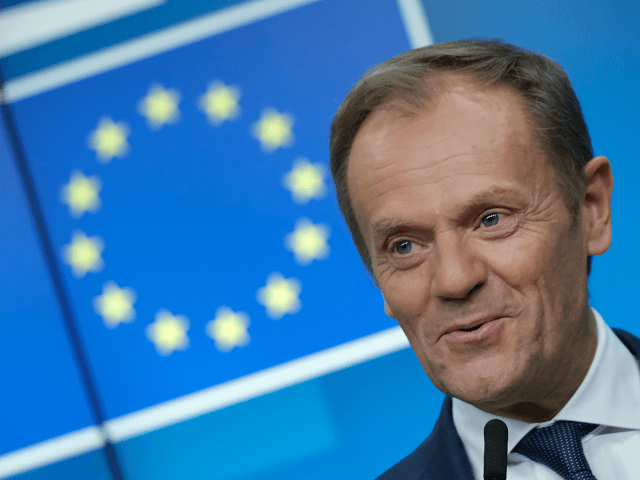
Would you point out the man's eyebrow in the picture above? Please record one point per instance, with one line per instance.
(384, 227)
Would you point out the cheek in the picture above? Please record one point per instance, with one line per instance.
(406, 292)
(519, 261)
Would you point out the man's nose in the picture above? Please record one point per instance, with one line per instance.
(458, 271)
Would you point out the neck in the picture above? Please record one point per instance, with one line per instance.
(561, 388)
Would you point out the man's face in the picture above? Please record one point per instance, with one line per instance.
(439, 258)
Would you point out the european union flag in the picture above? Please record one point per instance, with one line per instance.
(189, 202)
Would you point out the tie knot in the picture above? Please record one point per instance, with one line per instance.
(559, 447)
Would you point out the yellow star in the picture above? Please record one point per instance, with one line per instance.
(280, 296)
(83, 254)
(305, 181)
(228, 329)
(115, 305)
(220, 103)
(109, 140)
(160, 106)
(168, 332)
(308, 242)
(274, 130)
(81, 194)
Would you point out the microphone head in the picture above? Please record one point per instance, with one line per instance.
(495, 450)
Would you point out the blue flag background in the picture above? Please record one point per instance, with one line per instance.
(195, 216)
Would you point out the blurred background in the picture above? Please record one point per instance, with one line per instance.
(179, 294)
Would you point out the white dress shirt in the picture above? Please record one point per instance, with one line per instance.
(609, 396)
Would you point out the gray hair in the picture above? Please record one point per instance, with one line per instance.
(415, 80)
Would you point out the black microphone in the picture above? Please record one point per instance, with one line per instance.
(496, 435)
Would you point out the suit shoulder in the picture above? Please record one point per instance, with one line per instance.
(414, 465)
(440, 457)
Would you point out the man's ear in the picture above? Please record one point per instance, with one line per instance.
(597, 204)
(387, 310)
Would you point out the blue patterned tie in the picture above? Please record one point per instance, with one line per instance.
(559, 447)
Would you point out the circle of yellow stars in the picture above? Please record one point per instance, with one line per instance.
(273, 130)
(84, 254)
(168, 332)
(305, 181)
(115, 305)
(81, 194)
(308, 242)
(228, 329)
(160, 106)
(220, 103)
(109, 140)
(279, 296)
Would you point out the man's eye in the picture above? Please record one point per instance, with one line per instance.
(404, 247)
(492, 220)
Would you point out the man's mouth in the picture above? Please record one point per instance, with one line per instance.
(471, 329)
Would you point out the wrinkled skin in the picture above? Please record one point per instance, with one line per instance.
(525, 264)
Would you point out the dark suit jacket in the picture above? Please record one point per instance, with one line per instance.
(442, 456)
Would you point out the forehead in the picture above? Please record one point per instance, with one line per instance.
(471, 142)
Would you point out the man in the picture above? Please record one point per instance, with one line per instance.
(466, 175)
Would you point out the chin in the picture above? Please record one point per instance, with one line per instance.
(478, 391)
(483, 401)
